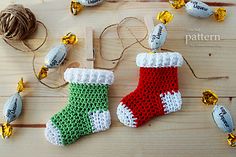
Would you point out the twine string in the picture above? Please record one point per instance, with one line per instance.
(17, 23)
(137, 41)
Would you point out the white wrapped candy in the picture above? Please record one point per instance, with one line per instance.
(56, 56)
(198, 9)
(158, 36)
(223, 119)
(12, 108)
(90, 2)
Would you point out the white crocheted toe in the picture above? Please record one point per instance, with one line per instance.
(158, 60)
(90, 76)
(125, 115)
(52, 134)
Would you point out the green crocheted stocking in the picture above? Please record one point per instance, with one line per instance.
(87, 109)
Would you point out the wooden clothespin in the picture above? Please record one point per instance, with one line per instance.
(89, 47)
(149, 23)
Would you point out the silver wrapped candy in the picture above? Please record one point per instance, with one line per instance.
(90, 2)
(11, 111)
(223, 119)
(198, 9)
(56, 56)
(12, 108)
(158, 36)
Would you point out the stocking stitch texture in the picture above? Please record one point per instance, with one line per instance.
(87, 109)
(157, 92)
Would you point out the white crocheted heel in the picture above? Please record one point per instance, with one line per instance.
(100, 120)
(171, 101)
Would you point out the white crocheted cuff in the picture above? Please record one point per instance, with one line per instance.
(157, 60)
(91, 76)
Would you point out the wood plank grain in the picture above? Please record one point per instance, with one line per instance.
(182, 22)
(189, 132)
(38, 110)
(16, 64)
(124, 142)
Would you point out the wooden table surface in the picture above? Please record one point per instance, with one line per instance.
(189, 132)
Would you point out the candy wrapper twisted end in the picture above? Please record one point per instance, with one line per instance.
(75, 7)
(57, 55)
(6, 130)
(232, 140)
(177, 3)
(12, 110)
(164, 17)
(209, 97)
(20, 86)
(220, 14)
(69, 38)
(43, 73)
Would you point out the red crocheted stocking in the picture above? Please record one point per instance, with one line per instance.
(157, 92)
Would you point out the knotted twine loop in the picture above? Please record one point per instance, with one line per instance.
(17, 23)
(117, 60)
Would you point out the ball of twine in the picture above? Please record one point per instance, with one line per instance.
(17, 22)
